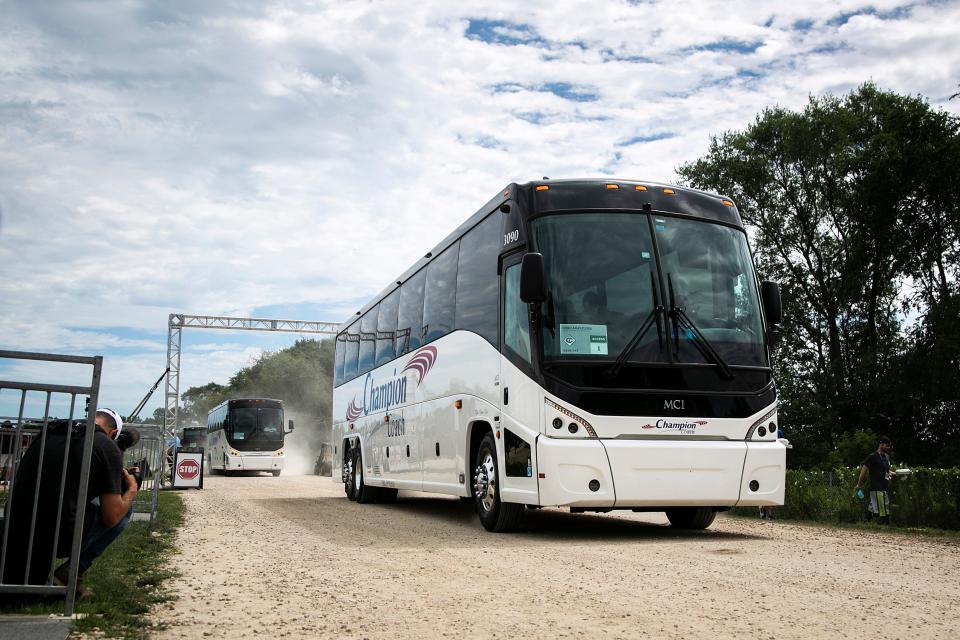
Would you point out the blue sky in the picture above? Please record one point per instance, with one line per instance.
(288, 159)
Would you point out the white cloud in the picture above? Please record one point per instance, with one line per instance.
(210, 159)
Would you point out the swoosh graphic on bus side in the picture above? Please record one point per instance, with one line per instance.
(353, 411)
(421, 362)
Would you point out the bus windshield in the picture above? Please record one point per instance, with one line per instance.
(257, 424)
(604, 284)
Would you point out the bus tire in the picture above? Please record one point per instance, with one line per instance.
(388, 495)
(365, 494)
(495, 515)
(348, 486)
(691, 517)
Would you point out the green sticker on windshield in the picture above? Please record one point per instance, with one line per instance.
(583, 339)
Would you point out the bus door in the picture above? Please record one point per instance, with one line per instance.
(521, 399)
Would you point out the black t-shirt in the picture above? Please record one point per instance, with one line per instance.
(878, 464)
(106, 475)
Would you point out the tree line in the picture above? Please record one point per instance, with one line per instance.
(853, 205)
(300, 375)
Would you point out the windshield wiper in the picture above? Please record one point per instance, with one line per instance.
(683, 321)
(652, 318)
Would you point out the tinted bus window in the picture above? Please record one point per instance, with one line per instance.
(338, 359)
(368, 337)
(410, 319)
(387, 327)
(477, 279)
(351, 353)
(516, 327)
(440, 294)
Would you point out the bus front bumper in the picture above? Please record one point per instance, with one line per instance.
(256, 463)
(659, 473)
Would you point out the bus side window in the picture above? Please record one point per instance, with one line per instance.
(477, 279)
(387, 327)
(410, 318)
(338, 359)
(368, 341)
(352, 352)
(516, 329)
(440, 297)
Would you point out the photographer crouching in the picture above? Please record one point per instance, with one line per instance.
(111, 491)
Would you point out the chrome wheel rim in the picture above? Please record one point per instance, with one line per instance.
(485, 482)
(357, 476)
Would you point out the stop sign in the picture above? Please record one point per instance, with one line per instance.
(188, 469)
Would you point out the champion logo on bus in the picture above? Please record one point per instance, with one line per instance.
(421, 362)
(379, 396)
(680, 426)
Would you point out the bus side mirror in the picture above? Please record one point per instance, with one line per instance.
(290, 426)
(772, 307)
(533, 279)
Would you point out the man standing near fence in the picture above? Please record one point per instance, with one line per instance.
(877, 466)
(111, 490)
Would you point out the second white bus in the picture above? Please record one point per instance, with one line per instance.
(246, 434)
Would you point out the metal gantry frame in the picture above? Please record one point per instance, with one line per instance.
(178, 322)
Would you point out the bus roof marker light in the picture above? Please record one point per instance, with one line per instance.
(640, 187)
(670, 192)
(728, 203)
(613, 186)
(458, 404)
(542, 187)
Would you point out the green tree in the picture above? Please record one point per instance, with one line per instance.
(300, 375)
(197, 402)
(853, 207)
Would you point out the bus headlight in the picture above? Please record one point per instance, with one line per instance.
(578, 420)
(278, 452)
(762, 423)
(234, 452)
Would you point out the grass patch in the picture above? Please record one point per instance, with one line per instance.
(126, 581)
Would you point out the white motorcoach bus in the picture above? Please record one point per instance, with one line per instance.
(591, 344)
(246, 435)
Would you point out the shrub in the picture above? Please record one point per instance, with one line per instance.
(928, 498)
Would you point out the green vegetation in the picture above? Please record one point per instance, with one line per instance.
(930, 498)
(300, 375)
(126, 581)
(854, 208)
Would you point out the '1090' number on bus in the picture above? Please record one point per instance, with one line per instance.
(513, 236)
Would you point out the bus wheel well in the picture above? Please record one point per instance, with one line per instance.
(477, 431)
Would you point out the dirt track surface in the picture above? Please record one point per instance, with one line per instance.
(292, 557)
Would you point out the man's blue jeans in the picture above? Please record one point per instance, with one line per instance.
(98, 537)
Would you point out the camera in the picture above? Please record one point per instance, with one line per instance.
(143, 469)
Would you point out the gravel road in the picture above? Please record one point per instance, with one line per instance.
(292, 557)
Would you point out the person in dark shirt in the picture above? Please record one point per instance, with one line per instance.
(110, 493)
(877, 467)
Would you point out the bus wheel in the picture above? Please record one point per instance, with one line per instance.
(365, 494)
(348, 485)
(495, 515)
(691, 517)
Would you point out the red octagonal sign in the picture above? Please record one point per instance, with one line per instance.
(188, 469)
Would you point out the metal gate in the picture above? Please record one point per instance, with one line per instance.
(148, 454)
(35, 436)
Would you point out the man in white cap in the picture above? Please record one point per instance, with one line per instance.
(110, 495)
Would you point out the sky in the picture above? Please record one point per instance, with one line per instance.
(289, 159)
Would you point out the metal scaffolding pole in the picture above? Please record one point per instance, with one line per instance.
(178, 321)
